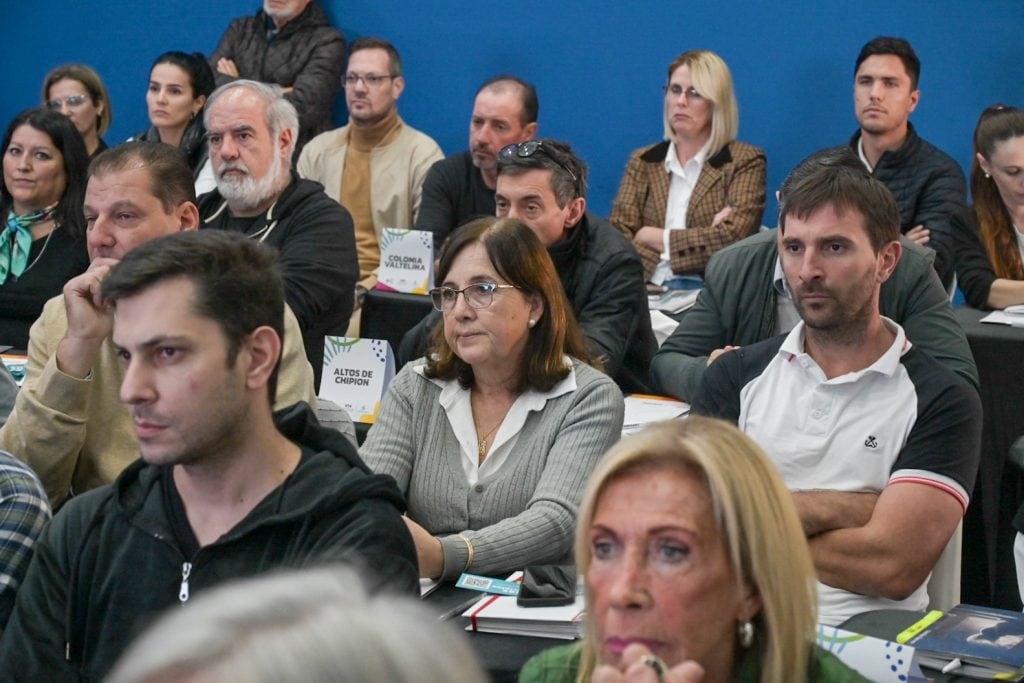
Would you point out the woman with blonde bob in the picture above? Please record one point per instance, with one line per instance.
(698, 190)
(696, 567)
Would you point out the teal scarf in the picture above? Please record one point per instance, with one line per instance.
(17, 241)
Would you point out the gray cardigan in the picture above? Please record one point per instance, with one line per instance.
(523, 514)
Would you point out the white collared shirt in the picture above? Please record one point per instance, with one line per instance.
(682, 181)
(786, 315)
(860, 153)
(455, 400)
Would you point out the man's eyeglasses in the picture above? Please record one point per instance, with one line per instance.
(71, 101)
(525, 150)
(675, 90)
(371, 80)
(479, 295)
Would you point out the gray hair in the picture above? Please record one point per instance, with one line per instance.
(313, 626)
(280, 113)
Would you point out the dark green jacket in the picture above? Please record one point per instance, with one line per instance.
(109, 563)
(561, 665)
(737, 306)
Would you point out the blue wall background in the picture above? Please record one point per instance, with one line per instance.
(598, 65)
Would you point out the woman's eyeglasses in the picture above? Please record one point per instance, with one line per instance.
(479, 295)
(71, 101)
(675, 90)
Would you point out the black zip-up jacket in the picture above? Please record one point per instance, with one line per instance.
(316, 246)
(929, 188)
(108, 564)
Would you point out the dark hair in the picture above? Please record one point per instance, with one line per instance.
(527, 93)
(899, 47)
(371, 43)
(556, 157)
(200, 78)
(836, 177)
(200, 75)
(521, 260)
(92, 83)
(237, 281)
(69, 143)
(170, 179)
(997, 124)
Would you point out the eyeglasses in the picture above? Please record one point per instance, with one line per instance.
(479, 295)
(676, 90)
(371, 80)
(71, 101)
(525, 150)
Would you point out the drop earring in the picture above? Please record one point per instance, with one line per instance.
(746, 633)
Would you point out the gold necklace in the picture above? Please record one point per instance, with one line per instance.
(483, 439)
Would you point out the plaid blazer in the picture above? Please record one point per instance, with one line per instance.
(735, 177)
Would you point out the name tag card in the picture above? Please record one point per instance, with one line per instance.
(357, 372)
(406, 261)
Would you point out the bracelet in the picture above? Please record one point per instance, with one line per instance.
(470, 551)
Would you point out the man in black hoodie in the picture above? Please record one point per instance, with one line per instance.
(225, 489)
(252, 129)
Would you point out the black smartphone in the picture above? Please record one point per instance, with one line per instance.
(547, 585)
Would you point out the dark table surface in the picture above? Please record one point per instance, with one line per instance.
(501, 655)
(389, 315)
(988, 573)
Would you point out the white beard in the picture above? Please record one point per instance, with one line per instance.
(246, 193)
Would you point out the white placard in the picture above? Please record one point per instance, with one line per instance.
(357, 372)
(876, 659)
(406, 261)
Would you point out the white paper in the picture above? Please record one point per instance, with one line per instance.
(356, 374)
(642, 410)
(1003, 318)
(874, 658)
(406, 261)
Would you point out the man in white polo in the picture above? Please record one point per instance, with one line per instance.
(877, 440)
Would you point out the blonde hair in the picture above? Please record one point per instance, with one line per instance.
(753, 511)
(711, 77)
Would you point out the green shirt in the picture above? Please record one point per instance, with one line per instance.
(561, 665)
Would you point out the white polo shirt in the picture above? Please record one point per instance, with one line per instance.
(899, 420)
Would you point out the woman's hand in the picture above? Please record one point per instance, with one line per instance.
(635, 669)
(919, 234)
(651, 237)
(429, 554)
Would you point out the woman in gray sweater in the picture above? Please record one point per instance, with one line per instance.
(494, 434)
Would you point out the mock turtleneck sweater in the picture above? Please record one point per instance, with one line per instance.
(355, 188)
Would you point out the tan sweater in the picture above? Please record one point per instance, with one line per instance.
(356, 188)
(397, 168)
(75, 433)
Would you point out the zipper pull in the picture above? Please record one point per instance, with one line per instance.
(186, 569)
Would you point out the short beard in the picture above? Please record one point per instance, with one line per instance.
(248, 193)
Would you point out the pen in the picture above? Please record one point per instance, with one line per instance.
(952, 666)
(462, 607)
